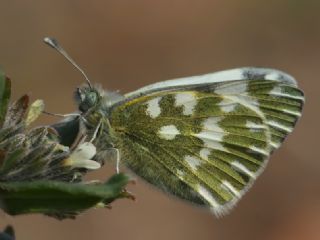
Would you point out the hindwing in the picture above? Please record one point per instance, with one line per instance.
(206, 141)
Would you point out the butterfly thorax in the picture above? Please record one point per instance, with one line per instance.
(94, 105)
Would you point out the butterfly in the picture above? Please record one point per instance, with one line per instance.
(204, 139)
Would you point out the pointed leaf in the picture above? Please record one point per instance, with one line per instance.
(57, 198)
(35, 111)
(16, 111)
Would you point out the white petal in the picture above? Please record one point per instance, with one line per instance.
(85, 151)
(81, 157)
(88, 164)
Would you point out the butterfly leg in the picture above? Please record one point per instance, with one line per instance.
(118, 160)
(62, 115)
(95, 133)
(112, 155)
(115, 149)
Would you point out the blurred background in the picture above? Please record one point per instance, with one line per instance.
(127, 44)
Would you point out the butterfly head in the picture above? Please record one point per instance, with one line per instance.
(87, 98)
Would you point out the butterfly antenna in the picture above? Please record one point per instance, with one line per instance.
(54, 44)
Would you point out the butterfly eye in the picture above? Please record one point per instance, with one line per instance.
(91, 98)
(87, 100)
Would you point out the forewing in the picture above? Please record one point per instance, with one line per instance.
(279, 103)
(245, 73)
(273, 92)
(207, 143)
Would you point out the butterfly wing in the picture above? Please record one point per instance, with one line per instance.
(206, 140)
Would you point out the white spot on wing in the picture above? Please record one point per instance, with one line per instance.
(273, 76)
(279, 126)
(253, 126)
(187, 100)
(212, 124)
(259, 150)
(213, 144)
(239, 88)
(247, 101)
(204, 153)
(180, 173)
(193, 162)
(228, 186)
(226, 105)
(228, 75)
(212, 134)
(240, 167)
(208, 196)
(153, 107)
(274, 144)
(276, 90)
(298, 114)
(168, 132)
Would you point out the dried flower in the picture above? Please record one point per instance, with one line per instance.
(38, 174)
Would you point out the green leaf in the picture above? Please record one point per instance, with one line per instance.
(10, 162)
(5, 92)
(59, 198)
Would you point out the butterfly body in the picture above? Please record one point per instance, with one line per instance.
(204, 139)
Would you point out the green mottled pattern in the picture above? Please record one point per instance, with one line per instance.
(283, 106)
(206, 143)
(251, 118)
(280, 103)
